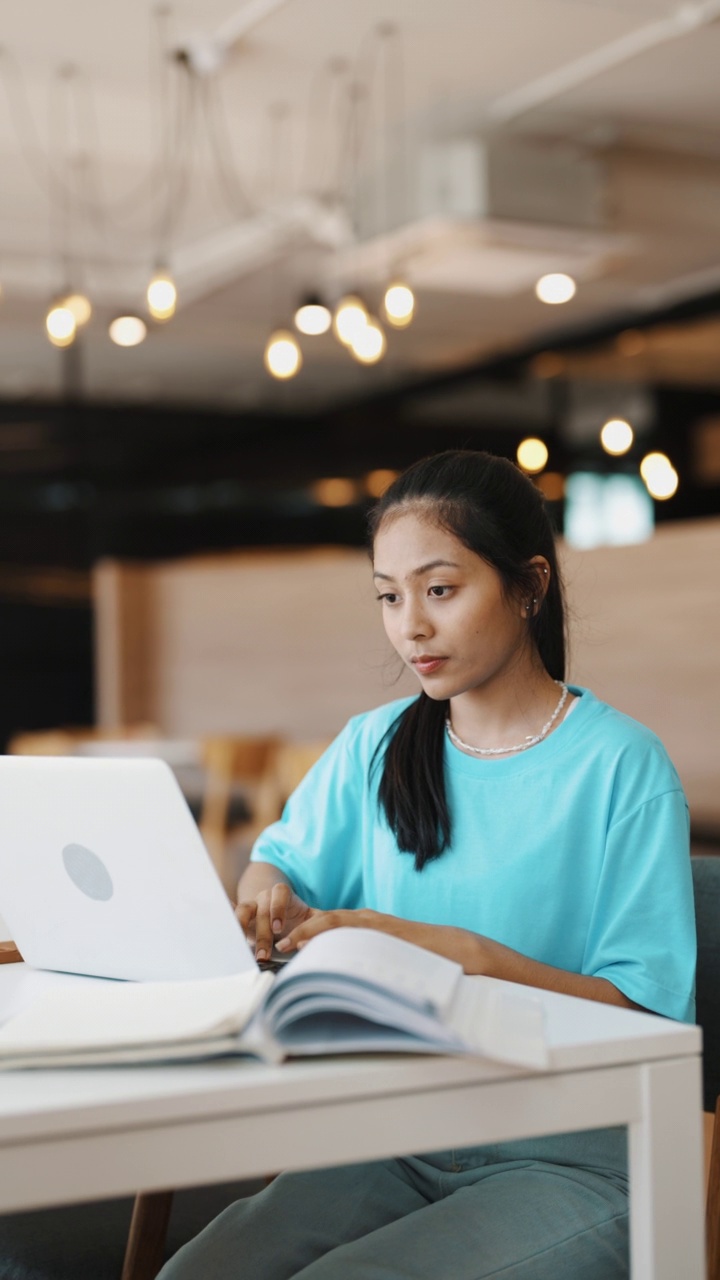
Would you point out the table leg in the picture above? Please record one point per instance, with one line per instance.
(666, 1175)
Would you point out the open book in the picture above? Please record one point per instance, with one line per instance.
(347, 991)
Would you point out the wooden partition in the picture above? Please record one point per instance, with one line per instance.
(285, 642)
(291, 642)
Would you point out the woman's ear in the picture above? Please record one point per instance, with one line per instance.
(542, 573)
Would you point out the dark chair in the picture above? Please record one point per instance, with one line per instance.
(706, 882)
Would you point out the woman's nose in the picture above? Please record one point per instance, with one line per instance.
(415, 621)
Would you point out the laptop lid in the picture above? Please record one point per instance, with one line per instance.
(103, 872)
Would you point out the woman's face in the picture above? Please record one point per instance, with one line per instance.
(444, 608)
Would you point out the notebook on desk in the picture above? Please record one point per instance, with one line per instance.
(104, 872)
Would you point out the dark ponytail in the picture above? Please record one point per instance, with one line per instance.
(495, 511)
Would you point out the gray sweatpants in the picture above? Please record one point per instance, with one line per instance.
(548, 1209)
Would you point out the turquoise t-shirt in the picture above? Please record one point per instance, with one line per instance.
(575, 852)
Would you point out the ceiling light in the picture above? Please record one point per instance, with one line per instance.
(661, 478)
(313, 317)
(616, 436)
(80, 306)
(162, 296)
(555, 288)
(399, 304)
(128, 331)
(653, 462)
(283, 357)
(350, 318)
(532, 454)
(369, 344)
(61, 325)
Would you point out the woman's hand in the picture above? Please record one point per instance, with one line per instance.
(442, 939)
(272, 914)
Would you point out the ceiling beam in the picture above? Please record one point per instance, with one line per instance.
(206, 54)
(682, 22)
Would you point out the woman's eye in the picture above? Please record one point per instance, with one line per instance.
(439, 592)
(387, 597)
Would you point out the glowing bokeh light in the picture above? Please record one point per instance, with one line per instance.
(616, 436)
(80, 306)
(283, 357)
(127, 331)
(313, 318)
(532, 455)
(369, 344)
(334, 491)
(399, 305)
(350, 319)
(555, 288)
(661, 478)
(376, 482)
(162, 296)
(61, 325)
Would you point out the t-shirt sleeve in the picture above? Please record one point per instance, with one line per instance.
(642, 932)
(317, 843)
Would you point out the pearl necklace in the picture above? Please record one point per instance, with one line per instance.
(530, 741)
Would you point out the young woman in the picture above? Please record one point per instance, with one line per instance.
(504, 819)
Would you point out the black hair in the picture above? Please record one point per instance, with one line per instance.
(490, 506)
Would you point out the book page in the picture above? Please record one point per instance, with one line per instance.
(109, 1013)
(498, 1021)
(27, 985)
(409, 972)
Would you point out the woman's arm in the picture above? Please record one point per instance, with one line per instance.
(476, 954)
(257, 877)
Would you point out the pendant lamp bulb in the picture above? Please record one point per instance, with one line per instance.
(399, 304)
(60, 324)
(369, 345)
(162, 295)
(283, 357)
(312, 316)
(351, 317)
(79, 305)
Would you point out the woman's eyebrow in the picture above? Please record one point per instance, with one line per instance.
(423, 568)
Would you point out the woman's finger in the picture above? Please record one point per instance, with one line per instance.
(263, 926)
(280, 899)
(320, 922)
(245, 913)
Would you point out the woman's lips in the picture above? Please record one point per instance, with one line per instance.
(427, 665)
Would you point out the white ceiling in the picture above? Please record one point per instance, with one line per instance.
(489, 140)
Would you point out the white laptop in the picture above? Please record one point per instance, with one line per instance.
(103, 872)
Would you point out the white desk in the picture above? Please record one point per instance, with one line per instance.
(81, 1135)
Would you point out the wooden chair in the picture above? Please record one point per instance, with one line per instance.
(145, 1248)
(292, 761)
(236, 767)
(706, 882)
